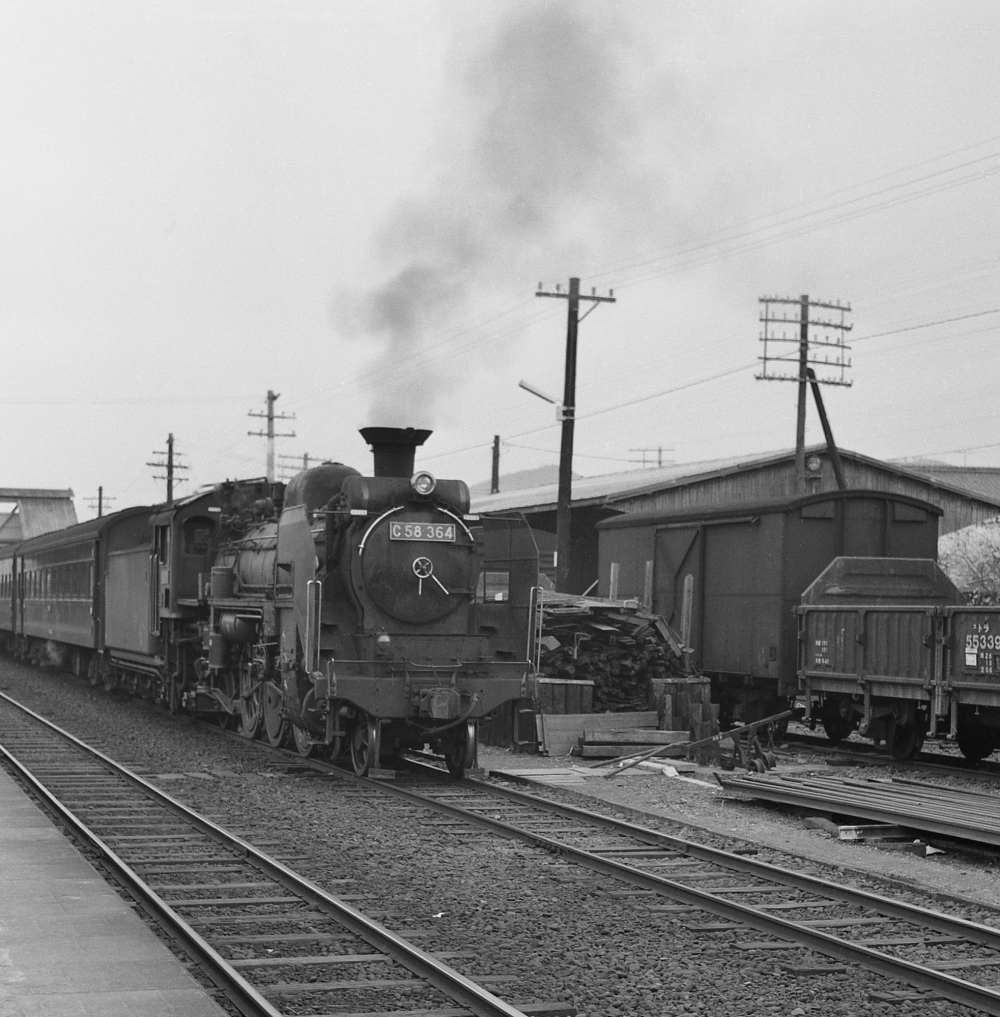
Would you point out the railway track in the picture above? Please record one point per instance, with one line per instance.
(937, 955)
(303, 950)
(865, 753)
(715, 893)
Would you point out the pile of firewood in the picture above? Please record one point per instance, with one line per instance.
(616, 645)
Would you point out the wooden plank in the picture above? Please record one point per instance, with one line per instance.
(558, 736)
(633, 736)
(612, 751)
(600, 721)
(560, 732)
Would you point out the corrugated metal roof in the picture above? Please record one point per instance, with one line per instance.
(10, 528)
(43, 515)
(612, 487)
(983, 481)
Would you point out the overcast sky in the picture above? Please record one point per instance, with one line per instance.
(352, 204)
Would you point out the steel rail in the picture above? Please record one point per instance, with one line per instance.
(847, 799)
(441, 976)
(954, 988)
(929, 759)
(237, 988)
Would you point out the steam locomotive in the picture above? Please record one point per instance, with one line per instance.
(344, 612)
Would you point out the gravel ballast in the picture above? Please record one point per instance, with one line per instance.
(564, 932)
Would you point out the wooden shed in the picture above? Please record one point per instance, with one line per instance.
(721, 483)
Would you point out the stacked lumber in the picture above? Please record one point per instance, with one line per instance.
(684, 704)
(614, 643)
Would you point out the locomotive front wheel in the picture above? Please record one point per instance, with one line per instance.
(250, 714)
(304, 744)
(463, 755)
(227, 685)
(364, 744)
(275, 725)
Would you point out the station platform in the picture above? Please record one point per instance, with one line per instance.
(69, 945)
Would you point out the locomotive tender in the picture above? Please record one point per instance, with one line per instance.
(342, 612)
(834, 598)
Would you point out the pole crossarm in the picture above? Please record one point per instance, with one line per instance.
(831, 337)
(270, 416)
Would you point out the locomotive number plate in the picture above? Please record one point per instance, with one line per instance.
(442, 532)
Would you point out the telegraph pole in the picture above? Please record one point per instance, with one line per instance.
(659, 450)
(99, 501)
(495, 476)
(170, 466)
(271, 417)
(290, 465)
(832, 334)
(563, 513)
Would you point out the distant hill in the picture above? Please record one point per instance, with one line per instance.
(538, 477)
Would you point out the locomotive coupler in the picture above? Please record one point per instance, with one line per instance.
(439, 703)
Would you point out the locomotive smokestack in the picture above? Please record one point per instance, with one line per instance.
(394, 449)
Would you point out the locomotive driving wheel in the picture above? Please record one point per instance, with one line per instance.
(304, 744)
(364, 744)
(463, 754)
(275, 724)
(250, 708)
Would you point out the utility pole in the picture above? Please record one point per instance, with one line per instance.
(563, 512)
(495, 476)
(271, 417)
(170, 466)
(99, 501)
(290, 465)
(832, 332)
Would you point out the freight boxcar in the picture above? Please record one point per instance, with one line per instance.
(730, 579)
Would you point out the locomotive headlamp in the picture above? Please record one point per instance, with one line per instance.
(423, 483)
(383, 641)
(814, 464)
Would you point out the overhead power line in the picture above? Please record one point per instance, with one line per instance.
(927, 324)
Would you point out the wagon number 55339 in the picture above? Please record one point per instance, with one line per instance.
(981, 638)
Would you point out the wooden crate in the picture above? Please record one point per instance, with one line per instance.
(557, 734)
(565, 695)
